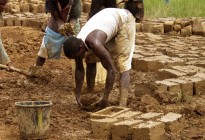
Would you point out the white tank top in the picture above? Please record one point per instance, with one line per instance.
(108, 20)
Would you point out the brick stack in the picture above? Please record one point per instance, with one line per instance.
(120, 123)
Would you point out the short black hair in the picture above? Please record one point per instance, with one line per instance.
(131, 7)
(71, 46)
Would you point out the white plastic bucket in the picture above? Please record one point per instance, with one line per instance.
(33, 118)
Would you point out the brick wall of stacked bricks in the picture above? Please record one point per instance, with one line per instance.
(119, 123)
(31, 13)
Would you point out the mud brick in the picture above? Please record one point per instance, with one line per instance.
(168, 26)
(1, 23)
(109, 112)
(128, 115)
(200, 74)
(16, 8)
(24, 6)
(166, 85)
(186, 86)
(149, 131)
(17, 22)
(19, 15)
(135, 61)
(152, 37)
(185, 22)
(177, 27)
(174, 123)
(35, 23)
(9, 21)
(169, 73)
(34, 8)
(29, 14)
(189, 70)
(41, 8)
(123, 130)
(198, 63)
(171, 61)
(198, 28)
(138, 27)
(149, 116)
(198, 84)
(149, 53)
(23, 21)
(101, 128)
(186, 31)
(146, 26)
(156, 28)
(147, 64)
(8, 7)
(199, 87)
(188, 55)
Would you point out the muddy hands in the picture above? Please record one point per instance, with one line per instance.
(96, 106)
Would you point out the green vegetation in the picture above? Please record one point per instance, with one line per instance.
(175, 8)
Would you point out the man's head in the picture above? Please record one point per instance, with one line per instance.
(3, 5)
(136, 7)
(74, 48)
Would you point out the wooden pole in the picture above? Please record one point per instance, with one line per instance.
(26, 73)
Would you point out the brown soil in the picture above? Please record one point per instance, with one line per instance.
(68, 121)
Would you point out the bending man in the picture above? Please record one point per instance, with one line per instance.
(112, 42)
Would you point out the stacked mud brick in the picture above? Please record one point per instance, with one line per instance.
(25, 13)
(33, 6)
(120, 123)
(173, 26)
(178, 62)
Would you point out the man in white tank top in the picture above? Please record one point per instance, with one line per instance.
(110, 36)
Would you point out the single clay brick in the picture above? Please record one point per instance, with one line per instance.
(174, 123)
(123, 130)
(149, 131)
(101, 128)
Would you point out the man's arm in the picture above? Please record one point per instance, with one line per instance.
(96, 41)
(79, 78)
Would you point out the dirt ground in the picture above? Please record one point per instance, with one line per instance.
(68, 121)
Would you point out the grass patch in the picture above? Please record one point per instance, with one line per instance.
(175, 8)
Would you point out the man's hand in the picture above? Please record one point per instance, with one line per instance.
(102, 103)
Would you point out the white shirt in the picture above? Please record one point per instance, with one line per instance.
(108, 20)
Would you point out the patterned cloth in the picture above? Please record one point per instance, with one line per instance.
(51, 46)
